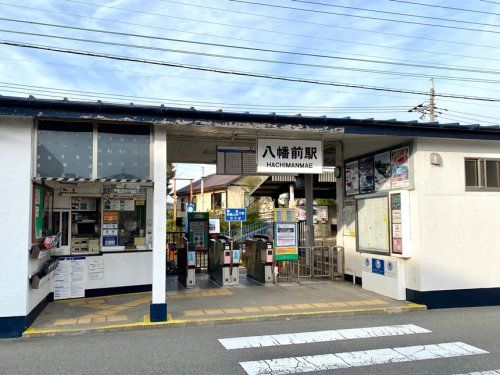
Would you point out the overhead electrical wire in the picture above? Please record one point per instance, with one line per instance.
(254, 49)
(262, 42)
(235, 72)
(434, 5)
(393, 13)
(282, 19)
(352, 15)
(241, 58)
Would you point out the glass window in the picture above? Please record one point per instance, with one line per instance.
(471, 173)
(64, 150)
(492, 174)
(217, 201)
(123, 152)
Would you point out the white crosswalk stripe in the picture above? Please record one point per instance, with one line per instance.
(323, 362)
(320, 336)
(491, 372)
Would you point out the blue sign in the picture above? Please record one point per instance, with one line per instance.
(236, 214)
(378, 266)
(190, 208)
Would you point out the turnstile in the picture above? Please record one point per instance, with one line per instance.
(186, 264)
(223, 261)
(259, 250)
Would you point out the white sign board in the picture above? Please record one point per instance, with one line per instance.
(95, 268)
(373, 225)
(214, 226)
(69, 278)
(289, 156)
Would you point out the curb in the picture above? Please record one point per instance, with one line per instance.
(147, 324)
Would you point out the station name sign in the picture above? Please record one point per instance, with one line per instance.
(289, 156)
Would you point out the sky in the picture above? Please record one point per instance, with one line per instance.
(397, 45)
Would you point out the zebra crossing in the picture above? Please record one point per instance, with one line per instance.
(345, 360)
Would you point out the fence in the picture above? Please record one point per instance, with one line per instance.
(313, 262)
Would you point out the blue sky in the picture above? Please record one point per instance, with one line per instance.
(310, 32)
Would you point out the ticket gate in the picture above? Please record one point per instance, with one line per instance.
(259, 250)
(223, 261)
(186, 264)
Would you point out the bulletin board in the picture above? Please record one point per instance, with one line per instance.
(372, 222)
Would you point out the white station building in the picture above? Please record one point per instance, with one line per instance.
(418, 204)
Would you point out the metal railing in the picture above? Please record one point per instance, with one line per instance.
(240, 234)
(313, 263)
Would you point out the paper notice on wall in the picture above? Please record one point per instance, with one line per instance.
(114, 205)
(95, 267)
(70, 278)
(129, 205)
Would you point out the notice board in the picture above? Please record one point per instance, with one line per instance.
(372, 217)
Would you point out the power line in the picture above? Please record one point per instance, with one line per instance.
(255, 49)
(443, 7)
(252, 59)
(394, 13)
(354, 16)
(283, 19)
(489, 1)
(262, 42)
(234, 72)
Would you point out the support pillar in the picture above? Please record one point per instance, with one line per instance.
(291, 197)
(339, 199)
(308, 187)
(158, 308)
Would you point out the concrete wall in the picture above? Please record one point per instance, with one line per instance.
(459, 237)
(15, 214)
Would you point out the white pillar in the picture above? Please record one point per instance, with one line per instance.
(158, 309)
(339, 187)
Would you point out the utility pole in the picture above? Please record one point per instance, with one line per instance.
(202, 189)
(432, 112)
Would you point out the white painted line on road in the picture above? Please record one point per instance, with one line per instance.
(491, 372)
(324, 362)
(320, 336)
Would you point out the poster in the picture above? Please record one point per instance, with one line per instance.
(366, 175)
(95, 267)
(128, 205)
(382, 171)
(400, 167)
(396, 229)
(351, 178)
(285, 235)
(110, 217)
(349, 217)
(214, 226)
(69, 278)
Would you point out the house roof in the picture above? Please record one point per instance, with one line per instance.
(131, 113)
(212, 182)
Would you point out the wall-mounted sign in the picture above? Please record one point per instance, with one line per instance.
(286, 214)
(235, 214)
(289, 156)
(70, 278)
(397, 226)
(214, 226)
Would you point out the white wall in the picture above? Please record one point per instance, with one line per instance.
(459, 230)
(15, 214)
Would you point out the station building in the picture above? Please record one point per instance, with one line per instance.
(417, 203)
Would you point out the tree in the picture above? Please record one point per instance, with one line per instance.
(170, 175)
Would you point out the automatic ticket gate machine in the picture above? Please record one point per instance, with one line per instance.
(260, 254)
(224, 261)
(186, 264)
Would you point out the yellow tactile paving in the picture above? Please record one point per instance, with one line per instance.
(269, 308)
(223, 292)
(62, 322)
(233, 311)
(84, 320)
(354, 303)
(208, 293)
(99, 319)
(321, 305)
(194, 313)
(304, 306)
(337, 304)
(287, 307)
(213, 311)
(117, 318)
(251, 309)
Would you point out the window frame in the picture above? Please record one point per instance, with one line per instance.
(482, 176)
(50, 190)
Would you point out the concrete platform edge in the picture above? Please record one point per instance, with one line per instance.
(147, 324)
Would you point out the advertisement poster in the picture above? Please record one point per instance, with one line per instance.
(69, 278)
(400, 167)
(366, 182)
(214, 226)
(382, 171)
(286, 241)
(351, 178)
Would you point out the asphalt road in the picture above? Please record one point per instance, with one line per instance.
(196, 349)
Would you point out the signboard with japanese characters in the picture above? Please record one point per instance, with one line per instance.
(289, 156)
(235, 214)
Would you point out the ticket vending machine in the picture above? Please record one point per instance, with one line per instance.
(260, 258)
(223, 261)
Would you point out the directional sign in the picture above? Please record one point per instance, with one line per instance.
(236, 214)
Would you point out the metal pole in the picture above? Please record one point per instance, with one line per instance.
(175, 200)
(202, 189)
(308, 186)
(191, 191)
